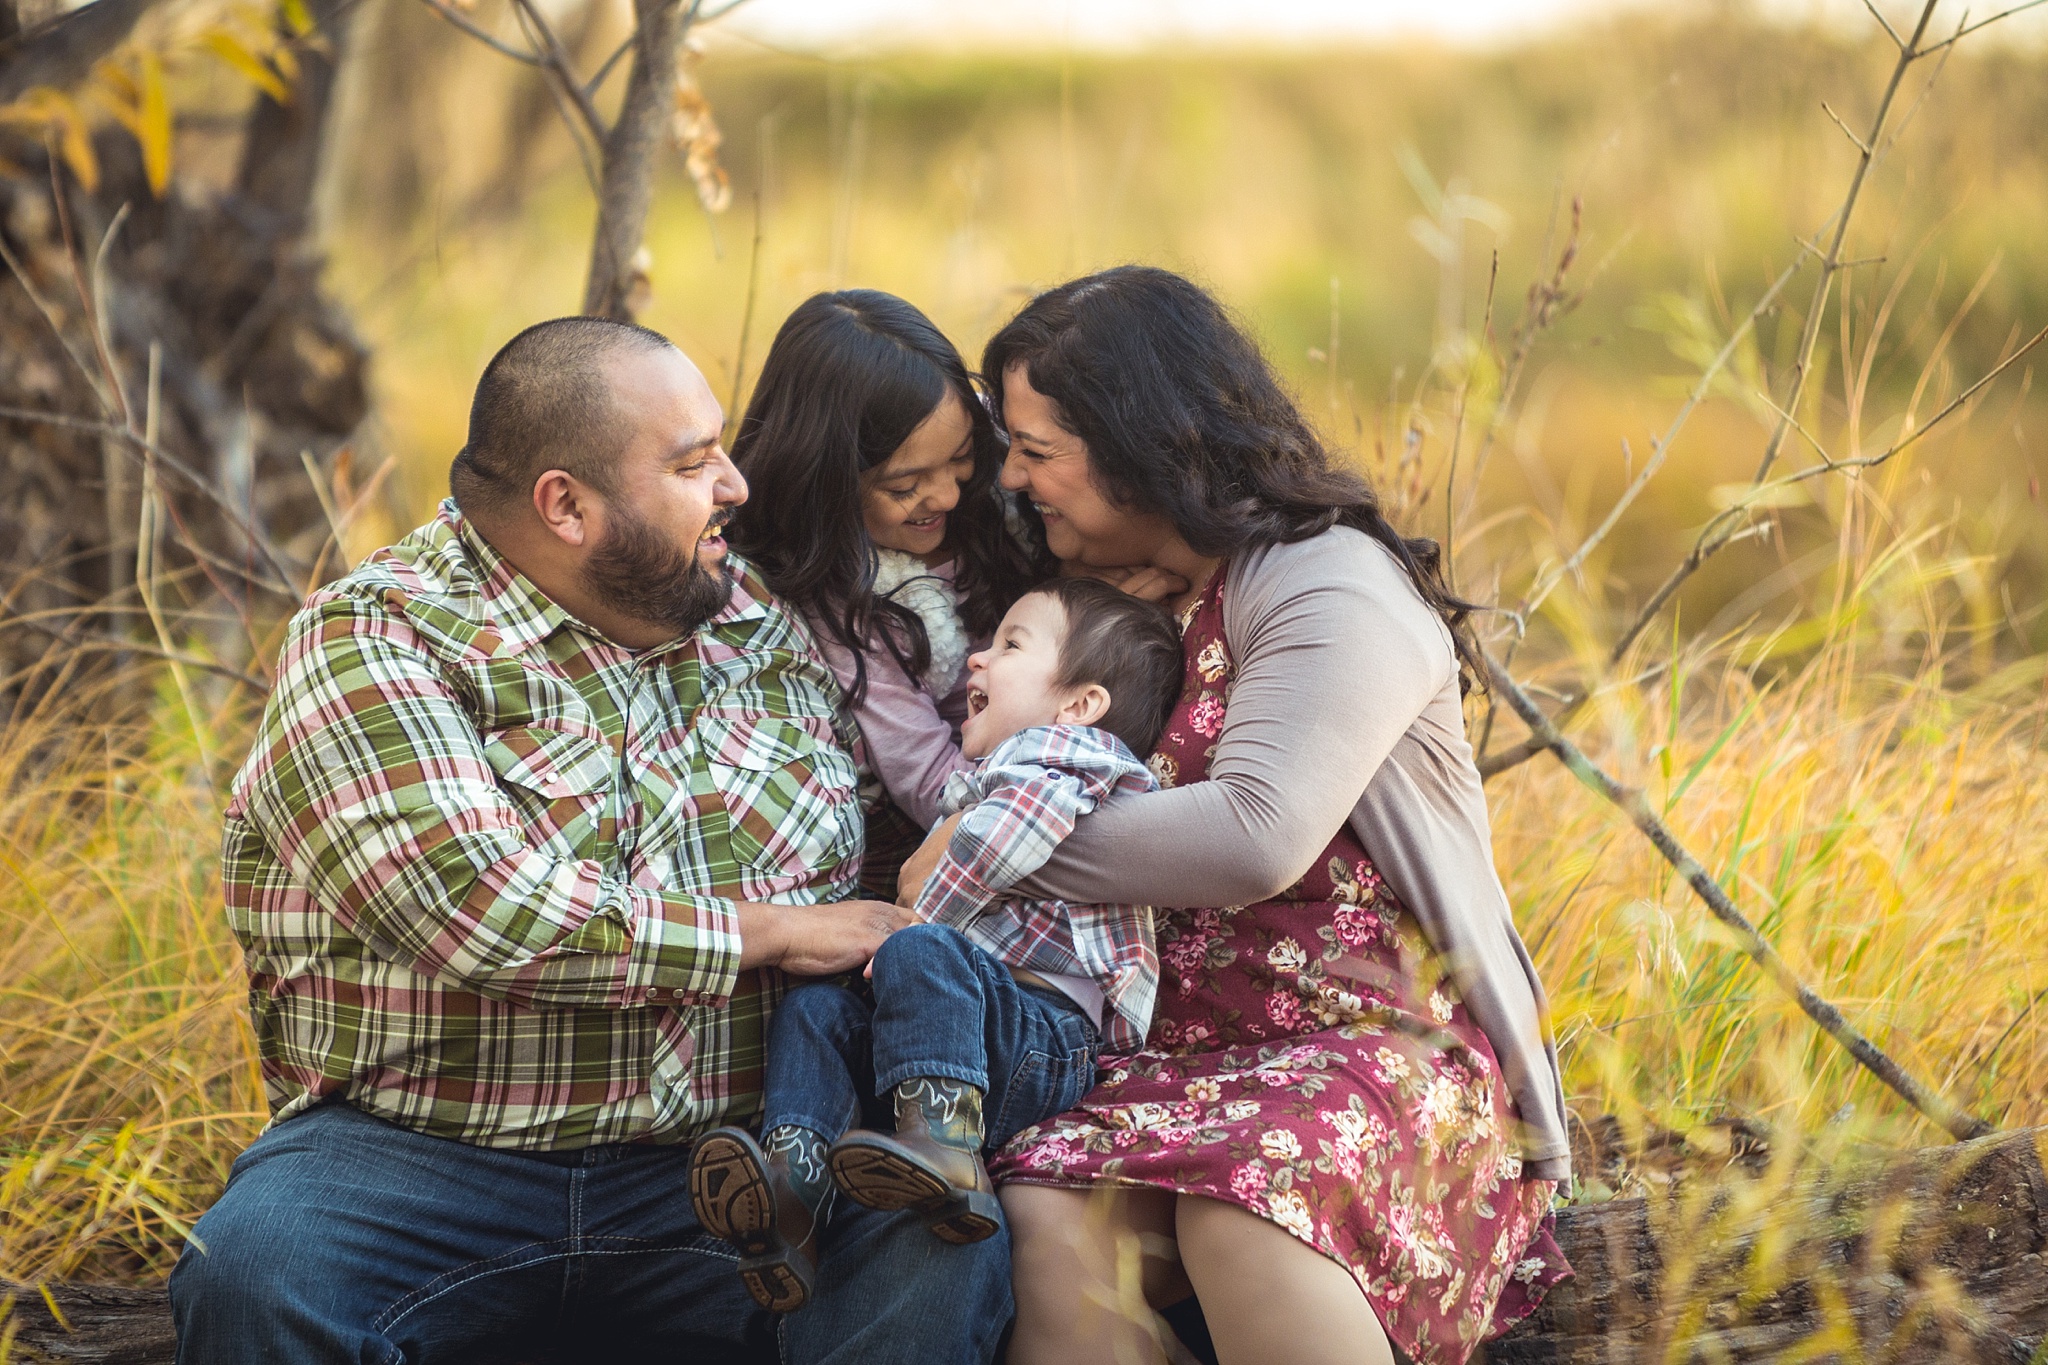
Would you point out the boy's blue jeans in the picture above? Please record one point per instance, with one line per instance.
(345, 1240)
(943, 1007)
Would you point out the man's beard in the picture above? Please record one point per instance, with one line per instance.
(640, 572)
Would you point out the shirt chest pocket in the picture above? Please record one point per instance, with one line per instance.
(557, 781)
(789, 797)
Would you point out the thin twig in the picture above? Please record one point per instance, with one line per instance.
(463, 22)
(1961, 1125)
(1661, 447)
(557, 62)
(739, 364)
(1861, 146)
(1968, 29)
(604, 69)
(28, 286)
(572, 104)
(1884, 23)
(1809, 335)
(110, 377)
(139, 448)
(145, 561)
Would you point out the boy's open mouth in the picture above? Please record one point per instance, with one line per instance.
(977, 702)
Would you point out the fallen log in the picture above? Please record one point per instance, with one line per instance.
(1940, 1255)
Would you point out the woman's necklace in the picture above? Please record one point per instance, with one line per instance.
(906, 580)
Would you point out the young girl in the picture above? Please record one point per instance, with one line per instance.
(875, 513)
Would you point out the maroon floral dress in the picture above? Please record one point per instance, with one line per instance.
(1308, 1062)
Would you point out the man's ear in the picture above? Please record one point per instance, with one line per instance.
(1085, 705)
(568, 508)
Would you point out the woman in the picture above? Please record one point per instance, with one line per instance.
(1346, 1128)
(873, 463)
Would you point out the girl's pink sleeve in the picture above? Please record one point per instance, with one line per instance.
(911, 746)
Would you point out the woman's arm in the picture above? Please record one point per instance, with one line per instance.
(912, 748)
(1336, 656)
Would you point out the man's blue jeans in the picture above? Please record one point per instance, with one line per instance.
(943, 1007)
(343, 1238)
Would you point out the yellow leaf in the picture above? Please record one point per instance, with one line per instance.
(112, 77)
(296, 16)
(153, 126)
(231, 50)
(286, 61)
(74, 138)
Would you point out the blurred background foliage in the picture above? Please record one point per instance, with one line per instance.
(1347, 204)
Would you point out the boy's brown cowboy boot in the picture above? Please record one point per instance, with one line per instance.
(931, 1164)
(768, 1199)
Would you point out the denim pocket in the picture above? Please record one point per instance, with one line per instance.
(1043, 1084)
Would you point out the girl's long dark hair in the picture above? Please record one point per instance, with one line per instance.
(850, 376)
(1183, 417)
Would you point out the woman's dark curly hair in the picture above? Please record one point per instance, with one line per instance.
(1182, 417)
(851, 375)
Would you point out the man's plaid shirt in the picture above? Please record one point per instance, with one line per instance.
(1020, 802)
(482, 860)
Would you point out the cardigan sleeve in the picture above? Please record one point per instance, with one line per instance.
(1336, 656)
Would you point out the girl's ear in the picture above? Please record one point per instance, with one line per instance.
(1085, 705)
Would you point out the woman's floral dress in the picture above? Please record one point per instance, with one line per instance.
(1308, 1062)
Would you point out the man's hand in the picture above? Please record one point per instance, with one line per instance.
(918, 867)
(816, 940)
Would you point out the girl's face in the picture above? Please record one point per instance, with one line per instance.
(1050, 465)
(905, 499)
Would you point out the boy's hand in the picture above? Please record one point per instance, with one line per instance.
(917, 869)
(816, 940)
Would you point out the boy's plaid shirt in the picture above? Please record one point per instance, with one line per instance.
(1020, 802)
(482, 860)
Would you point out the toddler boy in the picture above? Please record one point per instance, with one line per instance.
(989, 1015)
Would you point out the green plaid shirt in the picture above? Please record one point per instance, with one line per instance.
(482, 859)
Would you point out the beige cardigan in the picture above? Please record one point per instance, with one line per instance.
(1344, 706)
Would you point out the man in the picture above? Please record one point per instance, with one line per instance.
(547, 801)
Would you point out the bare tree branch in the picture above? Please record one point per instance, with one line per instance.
(139, 448)
(1810, 333)
(1968, 29)
(1661, 447)
(1884, 23)
(467, 25)
(556, 62)
(1630, 800)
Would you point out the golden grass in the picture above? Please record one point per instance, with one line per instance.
(1881, 825)
(127, 1071)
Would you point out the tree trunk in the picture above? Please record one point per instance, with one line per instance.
(258, 367)
(1935, 1256)
(626, 187)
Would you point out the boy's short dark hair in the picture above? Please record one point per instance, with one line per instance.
(1128, 645)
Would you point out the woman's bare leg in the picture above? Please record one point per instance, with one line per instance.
(1087, 1266)
(1267, 1295)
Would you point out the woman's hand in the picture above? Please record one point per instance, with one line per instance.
(917, 868)
(1145, 582)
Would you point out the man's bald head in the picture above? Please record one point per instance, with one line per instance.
(547, 401)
